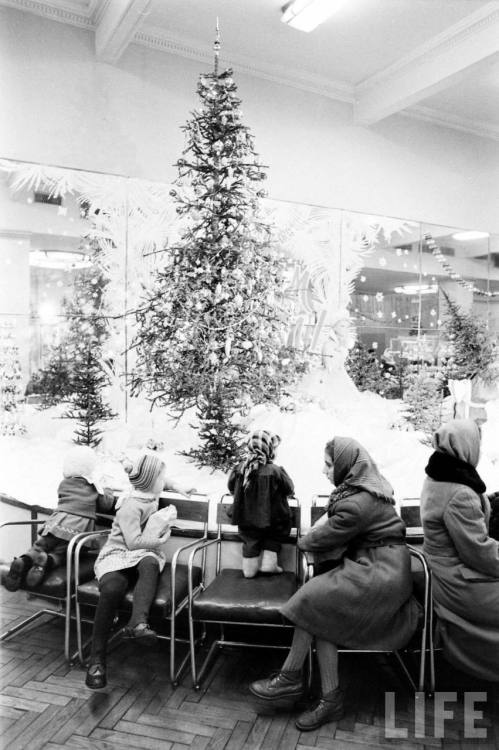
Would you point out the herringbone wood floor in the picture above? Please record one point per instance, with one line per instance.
(44, 703)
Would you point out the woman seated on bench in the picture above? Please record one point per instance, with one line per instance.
(361, 595)
(463, 557)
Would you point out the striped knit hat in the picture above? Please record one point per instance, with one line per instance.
(145, 471)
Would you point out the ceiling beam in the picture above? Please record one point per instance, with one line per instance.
(116, 27)
(429, 68)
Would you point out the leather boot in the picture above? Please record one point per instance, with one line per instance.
(280, 690)
(96, 678)
(250, 566)
(329, 708)
(269, 562)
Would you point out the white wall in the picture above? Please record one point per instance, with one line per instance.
(61, 106)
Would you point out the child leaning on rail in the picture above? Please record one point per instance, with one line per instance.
(79, 500)
(261, 510)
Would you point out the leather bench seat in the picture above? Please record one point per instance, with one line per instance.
(88, 593)
(54, 585)
(233, 598)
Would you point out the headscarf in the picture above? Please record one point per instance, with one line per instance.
(457, 451)
(459, 438)
(354, 470)
(261, 448)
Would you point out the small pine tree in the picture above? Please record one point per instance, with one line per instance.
(364, 369)
(83, 344)
(10, 384)
(216, 311)
(423, 400)
(54, 382)
(472, 350)
(87, 405)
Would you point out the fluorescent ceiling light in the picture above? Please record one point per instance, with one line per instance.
(305, 15)
(470, 235)
(59, 260)
(416, 289)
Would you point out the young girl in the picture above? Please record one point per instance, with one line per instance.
(261, 511)
(78, 502)
(132, 554)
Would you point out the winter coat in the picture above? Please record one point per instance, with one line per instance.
(464, 561)
(78, 503)
(130, 541)
(366, 601)
(263, 503)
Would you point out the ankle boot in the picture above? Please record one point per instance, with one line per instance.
(269, 562)
(282, 689)
(250, 566)
(16, 577)
(329, 708)
(96, 678)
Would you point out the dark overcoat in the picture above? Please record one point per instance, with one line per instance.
(366, 601)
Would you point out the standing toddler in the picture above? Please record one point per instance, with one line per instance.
(261, 510)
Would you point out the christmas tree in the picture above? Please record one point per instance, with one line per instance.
(10, 384)
(83, 344)
(211, 329)
(423, 400)
(472, 350)
(53, 382)
(364, 369)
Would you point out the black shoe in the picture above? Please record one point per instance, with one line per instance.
(14, 579)
(141, 633)
(282, 689)
(329, 708)
(96, 676)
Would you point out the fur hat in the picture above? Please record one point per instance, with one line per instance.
(145, 470)
(79, 461)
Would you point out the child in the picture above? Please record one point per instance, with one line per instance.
(132, 554)
(261, 511)
(78, 502)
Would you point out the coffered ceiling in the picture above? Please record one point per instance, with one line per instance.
(436, 60)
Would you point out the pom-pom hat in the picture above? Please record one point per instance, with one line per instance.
(145, 471)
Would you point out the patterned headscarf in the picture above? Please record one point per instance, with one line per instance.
(261, 447)
(354, 470)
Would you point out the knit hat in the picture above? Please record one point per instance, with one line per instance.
(145, 471)
(79, 461)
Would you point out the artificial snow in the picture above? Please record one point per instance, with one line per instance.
(31, 465)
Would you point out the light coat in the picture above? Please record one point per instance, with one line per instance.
(464, 561)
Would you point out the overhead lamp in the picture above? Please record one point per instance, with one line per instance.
(416, 289)
(469, 235)
(305, 15)
(56, 259)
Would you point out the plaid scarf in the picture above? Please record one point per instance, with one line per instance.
(261, 447)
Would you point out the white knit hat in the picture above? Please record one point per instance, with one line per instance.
(79, 461)
(145, 471)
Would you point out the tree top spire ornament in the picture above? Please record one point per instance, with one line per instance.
(216, 48)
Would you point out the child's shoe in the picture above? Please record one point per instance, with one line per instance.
(96, 678)
(250, 566)
(141, 632)
(14, 578)
(269, 562)
(38, 571)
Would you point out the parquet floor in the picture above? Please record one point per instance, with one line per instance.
(44, 703)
